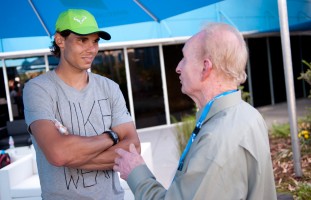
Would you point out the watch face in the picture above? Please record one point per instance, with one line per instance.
(114, 135)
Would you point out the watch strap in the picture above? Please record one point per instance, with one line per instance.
(113, 135)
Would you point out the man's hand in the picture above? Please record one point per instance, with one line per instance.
(127, 161)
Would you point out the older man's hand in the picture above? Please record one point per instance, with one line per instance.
(127, 161)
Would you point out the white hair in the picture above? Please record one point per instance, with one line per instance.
(227, 50)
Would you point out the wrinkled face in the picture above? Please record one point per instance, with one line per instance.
(189, 68)
(79, 51)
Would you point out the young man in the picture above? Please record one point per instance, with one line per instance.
(228, 155)
(77, 118)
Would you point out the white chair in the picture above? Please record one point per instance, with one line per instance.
(19, 180)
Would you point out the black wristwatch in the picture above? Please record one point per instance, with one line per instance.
(113, 136)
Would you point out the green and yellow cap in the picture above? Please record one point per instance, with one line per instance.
(80, 22)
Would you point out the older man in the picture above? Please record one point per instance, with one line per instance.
(228, 154)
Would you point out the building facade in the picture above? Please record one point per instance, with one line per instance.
(145, 71)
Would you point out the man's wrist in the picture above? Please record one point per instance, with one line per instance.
(113, 135)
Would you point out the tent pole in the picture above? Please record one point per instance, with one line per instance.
(39, 17)
(146, 10)
(290, 91)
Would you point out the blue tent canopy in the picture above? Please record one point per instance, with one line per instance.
(255, 16)
(26, 18)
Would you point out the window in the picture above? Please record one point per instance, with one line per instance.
(53, 62)
(19, 71)
(111, 64)
(180, 104)
(147, 86)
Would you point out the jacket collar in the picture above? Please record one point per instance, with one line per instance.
(221, 104)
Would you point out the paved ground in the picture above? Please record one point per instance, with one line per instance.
(285, 197)
(278, 113)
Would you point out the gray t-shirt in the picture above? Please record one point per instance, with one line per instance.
(91, 111)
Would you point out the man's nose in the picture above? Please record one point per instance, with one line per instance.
(92, 47)
(178, 68)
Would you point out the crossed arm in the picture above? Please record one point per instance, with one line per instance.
(92, 153)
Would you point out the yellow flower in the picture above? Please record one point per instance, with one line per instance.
(305, 132)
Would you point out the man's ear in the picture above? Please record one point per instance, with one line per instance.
(207, 68)
(59, 40)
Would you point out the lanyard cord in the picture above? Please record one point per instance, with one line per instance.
(199, 125)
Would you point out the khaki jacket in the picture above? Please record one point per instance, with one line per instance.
(229, 159)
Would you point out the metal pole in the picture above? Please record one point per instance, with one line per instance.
(290, 92)
(146, 10)
(7, 90)
(164, 85)
(129, 83)
(46, 61)
(39, 18)
(270, 72)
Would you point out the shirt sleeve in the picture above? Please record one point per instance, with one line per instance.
(204, 179)
(120, 113)
(37, 103)
(144, 184)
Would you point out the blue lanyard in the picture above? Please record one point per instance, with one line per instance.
(198, 126)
